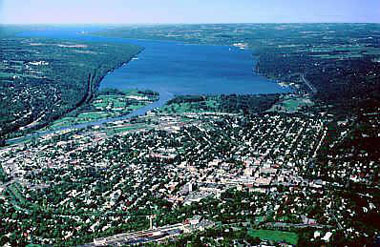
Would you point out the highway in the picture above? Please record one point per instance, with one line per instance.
(311, 87)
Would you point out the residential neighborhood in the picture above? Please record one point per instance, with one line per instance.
(168, 165)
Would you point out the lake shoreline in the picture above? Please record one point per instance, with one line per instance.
(197, 67)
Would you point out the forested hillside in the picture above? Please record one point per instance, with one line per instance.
(42, 79)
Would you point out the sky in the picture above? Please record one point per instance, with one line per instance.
(186, 11)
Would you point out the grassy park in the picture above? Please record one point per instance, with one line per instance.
(277, 236)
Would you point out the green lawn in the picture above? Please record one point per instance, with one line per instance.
(135, 107)
(92, 115)
(185, 107)
(277, 236)
(291, 104)
(105, 106)
(259, 219)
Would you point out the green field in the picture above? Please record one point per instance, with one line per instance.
(203, 106)
(291, 104)
(277, 236)
(108, 103)
(259, 219)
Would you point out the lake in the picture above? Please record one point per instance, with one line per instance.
(173, 68)
(180, 69)
(176, 68)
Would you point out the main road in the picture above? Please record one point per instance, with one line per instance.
(308, 83)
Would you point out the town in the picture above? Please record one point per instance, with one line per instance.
(169, 165)
(134, 136)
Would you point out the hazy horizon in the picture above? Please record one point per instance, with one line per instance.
(150, 12)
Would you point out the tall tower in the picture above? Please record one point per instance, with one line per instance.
(151, 222)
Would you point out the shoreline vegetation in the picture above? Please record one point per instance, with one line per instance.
(294, 48)
(106, 103)
(233, 103)
(298, 169)
(43, 120)
(49, 78)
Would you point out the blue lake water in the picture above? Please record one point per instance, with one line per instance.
(175, 68)
(179, 69)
